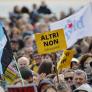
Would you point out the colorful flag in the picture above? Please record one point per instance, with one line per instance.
(6, 54)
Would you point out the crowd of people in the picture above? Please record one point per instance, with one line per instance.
(21, 28)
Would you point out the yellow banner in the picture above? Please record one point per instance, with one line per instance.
(65, 59)
(10, 76)
(51, 41)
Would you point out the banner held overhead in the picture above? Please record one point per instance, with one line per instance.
(51, 41)
(76, 26)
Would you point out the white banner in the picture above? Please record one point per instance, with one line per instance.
(76, 26)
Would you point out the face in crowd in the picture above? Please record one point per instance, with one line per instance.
(80, 78)
(68, 76)
(23, 62)
(74, 63)
(37, 58)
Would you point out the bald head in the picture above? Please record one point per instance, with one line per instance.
(23, 61)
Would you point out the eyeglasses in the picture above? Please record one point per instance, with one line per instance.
(67, 78)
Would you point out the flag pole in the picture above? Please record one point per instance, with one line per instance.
(56, 71)
(19, 71)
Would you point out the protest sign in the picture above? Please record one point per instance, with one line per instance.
(65, 59)
(50, 41)
(10, 74)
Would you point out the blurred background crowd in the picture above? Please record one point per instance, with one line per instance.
(21, 26)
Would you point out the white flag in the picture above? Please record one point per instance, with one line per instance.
(76, 26)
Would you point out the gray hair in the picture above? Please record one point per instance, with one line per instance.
(79, 72)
